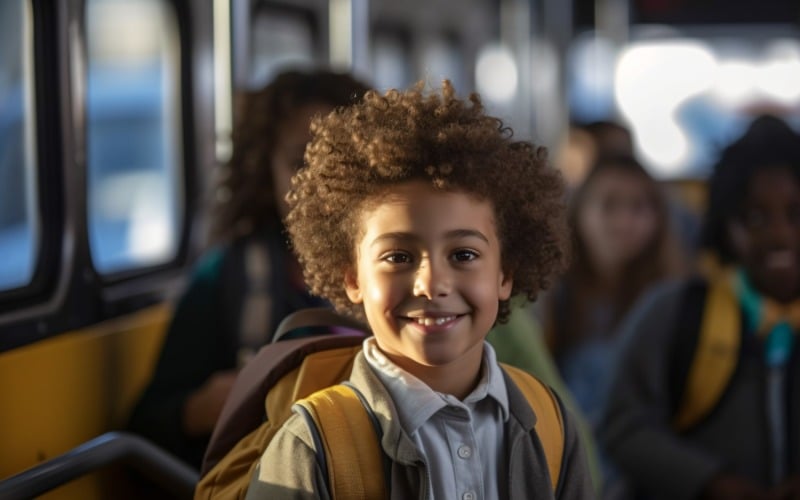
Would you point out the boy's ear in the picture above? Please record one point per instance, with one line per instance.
(351, 286)
(505, 286)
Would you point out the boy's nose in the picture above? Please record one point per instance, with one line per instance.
(431, 281)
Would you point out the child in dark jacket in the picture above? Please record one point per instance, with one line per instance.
(249, 281)
(706, 402)
(419, 213)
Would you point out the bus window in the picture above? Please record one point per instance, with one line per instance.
(738, 72)
(134, 161)
(18, 213)
(442, 58)
(279, 37)
(391, 59)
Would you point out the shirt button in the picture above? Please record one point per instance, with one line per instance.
(464, 451)
(470, 495)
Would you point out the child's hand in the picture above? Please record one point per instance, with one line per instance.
(788, 490)
(203, 407)
(730, 487)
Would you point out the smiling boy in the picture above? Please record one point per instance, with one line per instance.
(419, 213)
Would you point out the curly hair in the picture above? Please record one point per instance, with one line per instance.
(244, 199)
(768, 143)
(358, 153)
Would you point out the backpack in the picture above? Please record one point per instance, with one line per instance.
(705, 350)
(308, 371)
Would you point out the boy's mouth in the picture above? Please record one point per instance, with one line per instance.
(430, 321)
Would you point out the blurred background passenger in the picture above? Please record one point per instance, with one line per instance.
(575, 156)
(520, 342)
(706, 403)
(584, 144)
(610, 138)
(249, 281)
(622, 246)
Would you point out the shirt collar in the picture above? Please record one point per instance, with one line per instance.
(415, 402)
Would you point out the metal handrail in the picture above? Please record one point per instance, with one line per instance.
(109, 448)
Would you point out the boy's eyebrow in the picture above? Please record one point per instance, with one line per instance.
(466, 233)
(455, 233)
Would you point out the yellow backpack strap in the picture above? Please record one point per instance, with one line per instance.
(715, 357)
(549, 420)
(354, 457)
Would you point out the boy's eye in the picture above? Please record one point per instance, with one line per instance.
(464, 255)
(397, 258)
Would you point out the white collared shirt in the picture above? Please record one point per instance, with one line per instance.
(463, 441)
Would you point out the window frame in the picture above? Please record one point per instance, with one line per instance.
(66, 292)
(48, 168)
(402, 34)
(185, 149)
(311, 12)
(129, 289)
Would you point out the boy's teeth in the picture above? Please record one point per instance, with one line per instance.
(434, 321)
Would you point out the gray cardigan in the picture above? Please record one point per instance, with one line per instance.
(732, 438)
(294, 473)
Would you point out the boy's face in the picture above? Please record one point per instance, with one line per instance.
(428, 272)
(766, 238)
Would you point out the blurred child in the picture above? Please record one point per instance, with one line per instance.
(249, 282)
(706, 402)
(611, 139)
(623, 246)
(585, 144)
(419, 213)
(575, 156)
